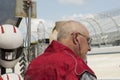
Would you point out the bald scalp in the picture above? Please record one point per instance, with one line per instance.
(69, 27)
(58, 25)
(53, 35)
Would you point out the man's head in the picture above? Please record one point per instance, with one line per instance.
(75, 36)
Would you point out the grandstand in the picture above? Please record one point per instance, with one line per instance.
(104, 28)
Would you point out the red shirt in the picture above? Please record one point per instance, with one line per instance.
(57, 63)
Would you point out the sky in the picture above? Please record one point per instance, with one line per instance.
(57, 9)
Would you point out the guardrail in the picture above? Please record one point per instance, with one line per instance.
(105, 50)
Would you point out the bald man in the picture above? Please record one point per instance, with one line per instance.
(65, 57)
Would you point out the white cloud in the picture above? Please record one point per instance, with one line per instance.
(78, 16)
(74, 2)
(73, 17)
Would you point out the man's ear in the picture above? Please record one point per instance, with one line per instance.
(74, 38)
